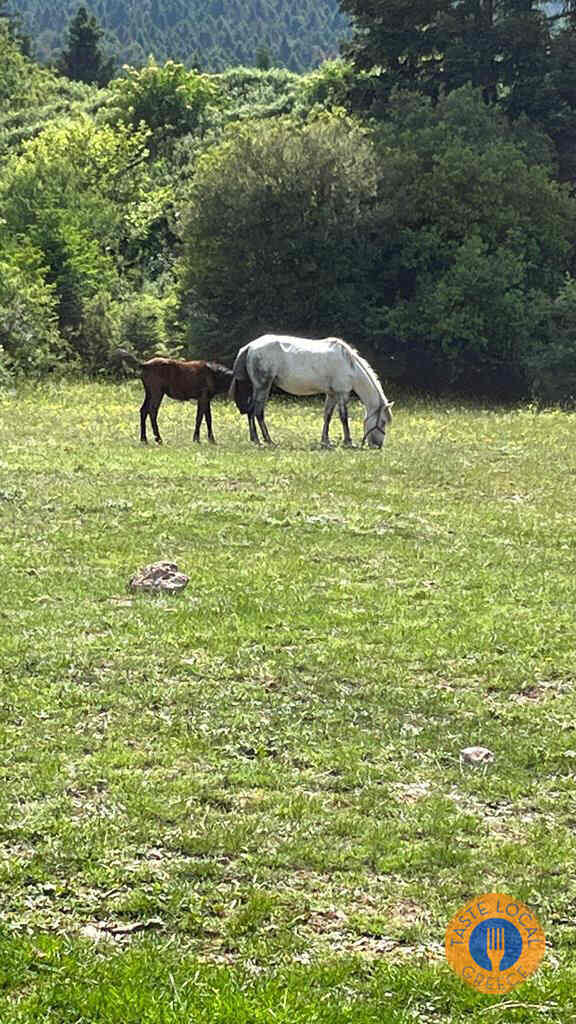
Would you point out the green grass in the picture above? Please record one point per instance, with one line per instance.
(245, 802)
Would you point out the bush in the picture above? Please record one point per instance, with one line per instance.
(30, 344)
(551, 364)
(144, 325)
(97, 336)
(169, 100)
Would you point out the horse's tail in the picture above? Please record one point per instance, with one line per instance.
(241, 386)
(240, 368)
(122, 355)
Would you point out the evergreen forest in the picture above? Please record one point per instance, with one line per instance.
(297, 34)
(414, 196)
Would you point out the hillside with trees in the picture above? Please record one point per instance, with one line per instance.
(426, 216)
(214, 34)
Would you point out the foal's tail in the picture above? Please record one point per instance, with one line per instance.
(241, 386)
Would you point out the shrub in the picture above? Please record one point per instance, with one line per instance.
(144, 328)
(551, 363)
(169, 100)
(29, 340)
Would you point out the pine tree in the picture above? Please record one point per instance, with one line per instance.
(263, 58)
(83, 59)
(435, 45)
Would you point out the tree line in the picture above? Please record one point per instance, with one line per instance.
(218, 33)
(428, 217)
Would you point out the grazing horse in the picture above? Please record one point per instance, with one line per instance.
(182, 380)
(303, 367)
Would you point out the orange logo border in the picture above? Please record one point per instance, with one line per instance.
(482, 908)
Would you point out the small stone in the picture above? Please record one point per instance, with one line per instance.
(476, 755)
(163, 576)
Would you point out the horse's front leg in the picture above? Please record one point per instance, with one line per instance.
(264, 428)
(252, 428)
(328, 410)
(343, 410)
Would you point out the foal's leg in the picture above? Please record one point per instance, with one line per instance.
(144, 410)
(155, 401)
(200, 413)
(208, 418)
(343, 410)
(328, 410)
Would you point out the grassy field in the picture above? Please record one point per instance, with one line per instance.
(245, 803)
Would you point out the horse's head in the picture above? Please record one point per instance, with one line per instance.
(376, 423)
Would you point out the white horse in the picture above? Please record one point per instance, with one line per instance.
(303, 367)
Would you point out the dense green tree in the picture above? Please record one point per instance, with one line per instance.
(274, 236)
(12, 23)
(83, 59)
(475, 241)
(551, 361)
(263, 58)
(81, 195)
(29, 339)
(169, 100)
(436, 45)
(15, 73)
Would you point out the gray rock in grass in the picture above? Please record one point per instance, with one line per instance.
(476, 755)
(159, 576)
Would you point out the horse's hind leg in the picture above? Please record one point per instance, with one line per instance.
(343, 410)
(328, 410)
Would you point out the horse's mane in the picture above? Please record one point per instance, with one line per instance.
(356, 358)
